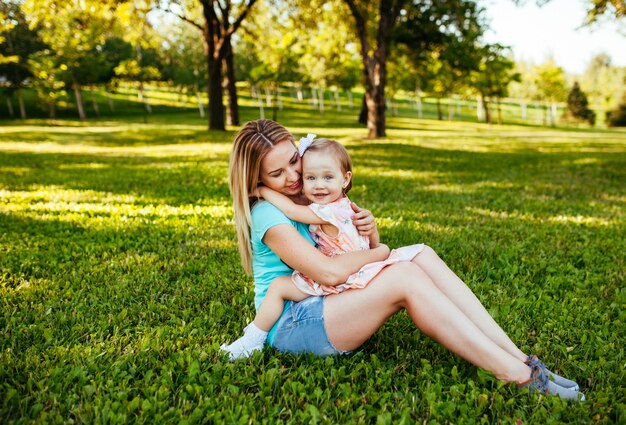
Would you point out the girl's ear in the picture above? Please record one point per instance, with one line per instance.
(347, 177)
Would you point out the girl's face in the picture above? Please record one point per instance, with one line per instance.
(322, 178)
(281, 169)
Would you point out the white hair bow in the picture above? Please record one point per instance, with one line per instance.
(305, 142)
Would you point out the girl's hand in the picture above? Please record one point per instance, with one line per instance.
(257, 192)
(364, 221)
(261, 192)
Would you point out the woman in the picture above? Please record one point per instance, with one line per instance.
(439, 303)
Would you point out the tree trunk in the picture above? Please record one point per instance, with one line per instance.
(200, 103)
(363, 113)
(52, 112)
(79, 101)
(274, 104)
(418, 104)
(268, 96)
(181, 99)
(144, 98)
(321, 102)
(232, 112)
(350, 102)
(20, 103)
(499, 111)
(214, 91)
(94, 102)
(375, 64)
(110, 102)
(299, 93)
(487, 109)
(10, 107)
(439, 111)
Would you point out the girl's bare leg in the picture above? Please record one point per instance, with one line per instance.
(353, 316)
(255, 334)
(280, 290)
(463, 297)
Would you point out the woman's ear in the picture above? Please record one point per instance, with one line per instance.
(347, 177)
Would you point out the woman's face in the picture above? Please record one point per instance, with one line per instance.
(281, 169)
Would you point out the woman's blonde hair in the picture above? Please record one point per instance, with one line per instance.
(251, 144)
(336, 150)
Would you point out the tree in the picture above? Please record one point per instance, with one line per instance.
(329, 56)
(74, 32)
(5, 26)
(185, 66)
(220, 20)
(270, 48)
(423, 26)
(578, 105)
(598, 8)
(374, 51)
(492, 78)
(550, 81)
(617, 117)
(49, 83)
(19, 43)
(603, 82)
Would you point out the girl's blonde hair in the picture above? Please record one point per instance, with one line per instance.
(336, 150)
(251, 144)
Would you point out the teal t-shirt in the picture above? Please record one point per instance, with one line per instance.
(267, 266)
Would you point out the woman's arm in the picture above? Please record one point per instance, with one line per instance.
(300, 213)
(300, 255)
(366, 224)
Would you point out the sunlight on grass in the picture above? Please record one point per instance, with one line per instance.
(192, 150)
(56, 202)
(531, 218)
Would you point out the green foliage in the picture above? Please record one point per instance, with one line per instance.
(578, 105)
(550, 81)
(603, 82)
(614, 8)
(120, 278)
(617, 117)
(17, 42)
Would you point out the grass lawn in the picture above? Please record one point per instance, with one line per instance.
(120, 277)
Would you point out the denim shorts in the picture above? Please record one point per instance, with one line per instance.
(301, 329)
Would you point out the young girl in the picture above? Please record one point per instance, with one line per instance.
(327, 178)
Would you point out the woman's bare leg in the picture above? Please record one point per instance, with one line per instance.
(353, 316)
(463, 297)
(280, 290)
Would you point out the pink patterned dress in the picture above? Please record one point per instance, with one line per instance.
(339, 214)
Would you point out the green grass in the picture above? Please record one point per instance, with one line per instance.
(120, 276)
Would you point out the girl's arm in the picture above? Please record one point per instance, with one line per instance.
(296, 212)
(300, 255)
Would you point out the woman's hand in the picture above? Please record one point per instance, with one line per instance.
(365, 223)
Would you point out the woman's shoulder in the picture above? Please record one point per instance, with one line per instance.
(265, 212)
(262, 208)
